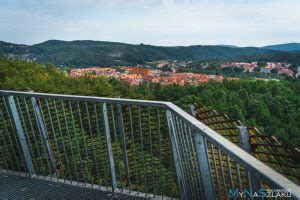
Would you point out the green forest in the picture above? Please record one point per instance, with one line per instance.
(100, 53)
(274, 107)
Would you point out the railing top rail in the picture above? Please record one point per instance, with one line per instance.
(252, 164)
(265, 173)
(85, 98)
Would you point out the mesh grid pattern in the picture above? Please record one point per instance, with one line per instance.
(18, 187)
(266, 148)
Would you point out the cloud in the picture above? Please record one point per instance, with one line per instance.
(159, 22)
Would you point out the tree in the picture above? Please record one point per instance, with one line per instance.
(273, 106)
(235, 113)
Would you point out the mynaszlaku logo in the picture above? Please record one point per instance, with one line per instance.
(264, 193)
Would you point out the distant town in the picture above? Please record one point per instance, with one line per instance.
(137, 75)
(279, 68)
(166, 72)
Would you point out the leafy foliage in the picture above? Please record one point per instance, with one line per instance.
(272, 106)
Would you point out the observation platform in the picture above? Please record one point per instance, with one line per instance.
(20, 187)
(139, 149)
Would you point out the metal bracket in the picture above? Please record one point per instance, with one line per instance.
(43, 132)
(204, 166)
(123, 139)
(245, 144)
(244, 138)
(109, 149)
(22, 139)
(176, 155)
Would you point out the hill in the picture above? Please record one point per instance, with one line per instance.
(273, 107)
(87, 52)
(284, 47)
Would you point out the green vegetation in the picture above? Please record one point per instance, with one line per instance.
(285, 47)
(153, 160)
(88, 53)
(272, 106)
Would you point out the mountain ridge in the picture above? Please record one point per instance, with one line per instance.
(284, 47)
(105, 53)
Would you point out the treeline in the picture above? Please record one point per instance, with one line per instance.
(100, 53)
(274, 107)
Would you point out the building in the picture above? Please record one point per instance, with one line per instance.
(287, 72)
(133, 79)
(141, 71)
(267, 69)
(247, 67)
(94, 71)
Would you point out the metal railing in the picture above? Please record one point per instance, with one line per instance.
(266, 148)
(145, 148)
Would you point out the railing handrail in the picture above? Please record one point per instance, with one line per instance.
(253, 165)
(86, 98)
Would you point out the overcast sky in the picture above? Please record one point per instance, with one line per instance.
(157, 22)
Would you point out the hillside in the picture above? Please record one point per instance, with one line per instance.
(284, 47)
(87, 53)
(292, 57)
(271, 106)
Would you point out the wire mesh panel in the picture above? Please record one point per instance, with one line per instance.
(144, 148)
(11, 152)
(119, 147)
(228, 173)
(266, 148)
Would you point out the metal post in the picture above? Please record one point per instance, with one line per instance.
(244, 138)
(44, 133)
(204, 166)
(245, 144)
(193, 110)
(123, 140)
(22, 139)
(109, 150)
(176, 158)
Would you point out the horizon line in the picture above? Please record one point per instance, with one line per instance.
(224, 45)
